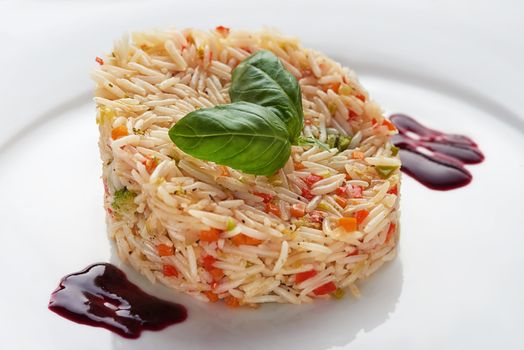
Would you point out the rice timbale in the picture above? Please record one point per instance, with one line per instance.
(327, 219)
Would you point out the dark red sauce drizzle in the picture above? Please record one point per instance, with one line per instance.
(441, 165)
(102, 296)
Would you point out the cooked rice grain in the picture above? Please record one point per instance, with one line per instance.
(148, 84)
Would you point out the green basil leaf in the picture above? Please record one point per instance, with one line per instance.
(241, 135)
(262, 79)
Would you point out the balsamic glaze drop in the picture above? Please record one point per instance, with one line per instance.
(102, 296)
(434, 158)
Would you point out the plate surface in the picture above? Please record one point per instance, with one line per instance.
(458, 281)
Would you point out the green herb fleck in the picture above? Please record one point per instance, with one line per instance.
(338, 294)
(332, 107)
(394, 150)
(343, 142)
(230, 225)
(332, 140)
(323, 206)
(385, 171)
(138, 131)
(123, 201)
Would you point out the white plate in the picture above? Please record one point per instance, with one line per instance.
(458, 281)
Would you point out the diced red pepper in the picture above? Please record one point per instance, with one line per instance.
(354, 252)
(170, 270)
(210, 235)
(341, 201)
(361, 98)
(352, 115)
(312, 179)
(266, 197)
(164, 250)
(216, 273)
(307, 194)
(190, 39)
(361, 215)
(242, 239)
(390, 125)
(325, 289)
(99, 60)
(298, 210)
(232, 302)
(273, 209)
(119, 132)
(391, 232)
(150, 163)
(299, 166)
(250, 240)
(392, 228)
(222, 30)
(348, 224)
(212, 297)
(302, 276)
(373, 122)
(208, 261)
(333, 86)
(393, 190)
(341, 191)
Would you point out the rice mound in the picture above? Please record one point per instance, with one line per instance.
(219, 234)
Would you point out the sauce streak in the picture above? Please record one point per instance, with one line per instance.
(102, 296)
(434, 158)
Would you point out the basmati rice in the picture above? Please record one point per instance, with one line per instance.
(150, 82)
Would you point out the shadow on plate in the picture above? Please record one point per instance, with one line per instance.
(322, 325)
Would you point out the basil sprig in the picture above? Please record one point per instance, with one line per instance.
(262, 79)
(242, 135)
(255, 132)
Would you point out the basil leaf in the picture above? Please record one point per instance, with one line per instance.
(241, 135)
(262, 79)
